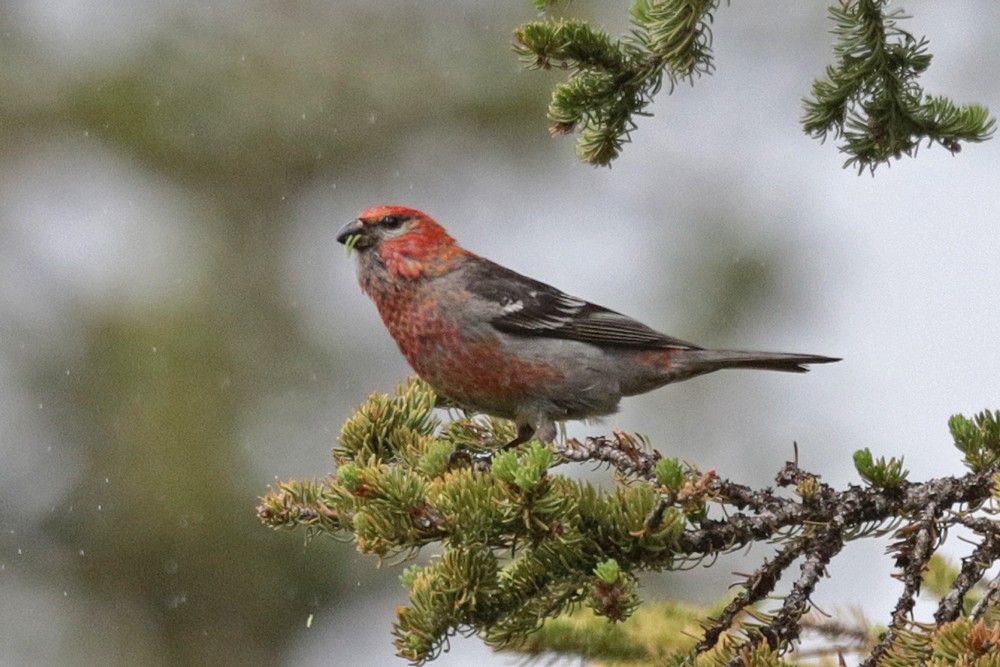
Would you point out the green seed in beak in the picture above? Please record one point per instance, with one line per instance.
(352, 241)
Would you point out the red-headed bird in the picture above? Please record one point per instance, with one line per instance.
(497, 342)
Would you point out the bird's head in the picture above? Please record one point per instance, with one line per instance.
(407, 240)
(385, 224)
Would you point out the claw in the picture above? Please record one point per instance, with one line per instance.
(483, 461)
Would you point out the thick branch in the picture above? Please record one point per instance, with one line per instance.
(857, 506)
(622, 452)
(769, 513)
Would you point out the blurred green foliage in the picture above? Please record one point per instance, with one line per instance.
(161, 511)
(236, 108)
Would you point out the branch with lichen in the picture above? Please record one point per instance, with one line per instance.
(520, 545)
(869, 97)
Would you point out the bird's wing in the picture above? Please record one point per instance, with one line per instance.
(532, 308)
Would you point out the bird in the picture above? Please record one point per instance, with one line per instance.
(497, 342)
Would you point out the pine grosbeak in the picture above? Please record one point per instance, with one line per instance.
(497, 342)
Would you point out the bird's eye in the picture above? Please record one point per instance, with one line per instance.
(390, 221)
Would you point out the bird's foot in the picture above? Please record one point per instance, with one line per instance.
(484, 460)
(481, 461)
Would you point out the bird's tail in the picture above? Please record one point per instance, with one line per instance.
(706, 361)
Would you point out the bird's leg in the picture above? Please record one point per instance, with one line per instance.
(524, 434)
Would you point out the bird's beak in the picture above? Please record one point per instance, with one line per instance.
(352, 235)
(353, 228)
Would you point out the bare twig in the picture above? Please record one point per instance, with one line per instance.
(856, 634)
(758, 586)
(784, 626)
(912, 553)
(992, 597)
(973, 567)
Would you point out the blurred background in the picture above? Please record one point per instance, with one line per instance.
(178, 327)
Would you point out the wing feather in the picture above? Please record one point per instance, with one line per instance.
(532, 308)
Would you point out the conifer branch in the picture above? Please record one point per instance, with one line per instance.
(520, 544)
(870, 97)
(612, 81)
